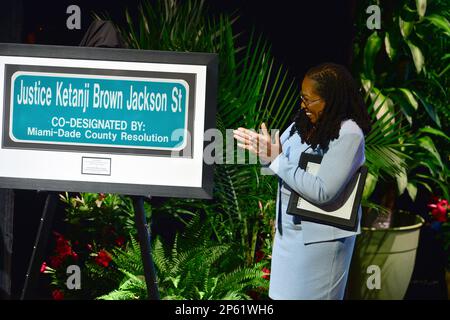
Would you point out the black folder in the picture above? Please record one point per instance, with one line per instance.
(341, 212)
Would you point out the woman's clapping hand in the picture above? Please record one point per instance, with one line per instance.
(259, 143)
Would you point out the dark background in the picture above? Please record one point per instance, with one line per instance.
(302, 34)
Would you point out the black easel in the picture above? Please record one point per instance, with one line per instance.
(145, 244)
(44, 231)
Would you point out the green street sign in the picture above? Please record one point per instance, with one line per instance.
(116, 111)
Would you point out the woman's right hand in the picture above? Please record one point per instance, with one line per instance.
(259, 144)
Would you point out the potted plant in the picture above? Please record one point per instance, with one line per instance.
(407, 104)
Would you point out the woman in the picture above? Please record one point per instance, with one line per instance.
(312, 260)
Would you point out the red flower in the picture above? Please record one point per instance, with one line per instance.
(57, 294)
(55, 261)
(103, 258)
(74, 255)
(101, 196)
(63, 247)
(89, 247)
(439, 209)
(64, 251)
(43, 267)
(266, 273)
(120, 241)
(259, 255)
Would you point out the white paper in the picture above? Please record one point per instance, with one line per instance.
(100, 166)
(343, 212)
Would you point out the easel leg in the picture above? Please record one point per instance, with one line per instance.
(39, 245)
(145, 244)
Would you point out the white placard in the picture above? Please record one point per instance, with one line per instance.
(98, 166)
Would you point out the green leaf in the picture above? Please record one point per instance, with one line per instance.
(405, 27)
(175, 280)
(384, 152)
(421, 7)
(369, 187)
(417, 56)
(412, 190)
(430, 110)
(402, 181)
(390, 49)
(374, 206)
(440, 22)
(405, 99)
(435, 132)
(428, 144)
(442, 186)
(373, 46)
(366, 83)
(381, 103)
(410, 97)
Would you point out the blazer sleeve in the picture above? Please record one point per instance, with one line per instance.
(343, 158)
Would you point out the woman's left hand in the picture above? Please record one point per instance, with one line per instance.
(259, 144)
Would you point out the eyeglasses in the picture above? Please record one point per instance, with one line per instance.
(306, 101)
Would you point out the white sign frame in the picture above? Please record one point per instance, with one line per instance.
(132, 171)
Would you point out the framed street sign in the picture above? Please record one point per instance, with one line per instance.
(106, 120)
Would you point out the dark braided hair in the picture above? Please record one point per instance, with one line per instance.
(336, 86)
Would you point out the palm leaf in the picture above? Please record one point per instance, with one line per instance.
(384, 144)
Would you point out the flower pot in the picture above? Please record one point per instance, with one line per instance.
(383, 260)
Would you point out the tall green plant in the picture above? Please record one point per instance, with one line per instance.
(403, 70)
(385, 156)
(251, 90)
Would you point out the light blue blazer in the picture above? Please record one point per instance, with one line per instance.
(339, 163)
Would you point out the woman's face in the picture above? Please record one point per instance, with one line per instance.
(311, 101)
